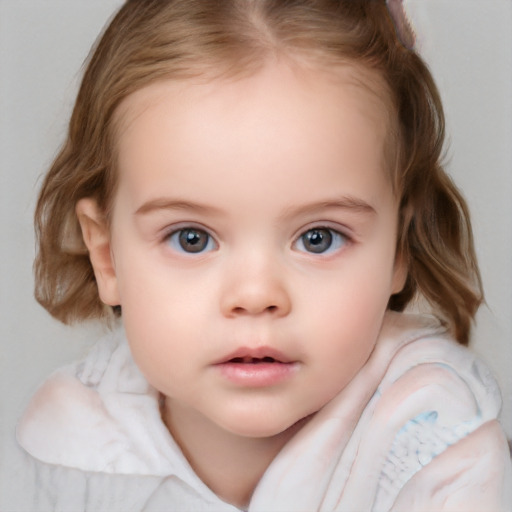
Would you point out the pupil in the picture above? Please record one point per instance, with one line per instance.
(317, 240)
(192, 240)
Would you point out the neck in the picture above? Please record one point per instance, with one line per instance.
(229, 464)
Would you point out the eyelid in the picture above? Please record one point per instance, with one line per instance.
(334, 226)
(348, 239)
(168, 231)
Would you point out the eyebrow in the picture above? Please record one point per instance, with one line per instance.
(349, 203)
(164, 203)
(345, 203)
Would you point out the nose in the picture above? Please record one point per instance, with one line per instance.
(255, 290)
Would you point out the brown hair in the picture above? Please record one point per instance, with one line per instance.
(150, 40)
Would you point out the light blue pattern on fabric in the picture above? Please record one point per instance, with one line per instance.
(420, 440)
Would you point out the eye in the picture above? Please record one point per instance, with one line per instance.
(321, 241)
(191, 240)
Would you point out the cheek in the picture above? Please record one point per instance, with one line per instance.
(163, 315)
(348, 314)
(157, 347)
(356, 291)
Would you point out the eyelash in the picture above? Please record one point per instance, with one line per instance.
(331, 235)
(177, 236)
(320, 237)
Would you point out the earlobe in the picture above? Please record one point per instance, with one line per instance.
(96, 235)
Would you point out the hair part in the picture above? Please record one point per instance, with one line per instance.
(151, 40)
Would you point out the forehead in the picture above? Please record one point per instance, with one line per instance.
(288, 118)
(369, 92)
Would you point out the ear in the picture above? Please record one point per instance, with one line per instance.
(400, 273)
(96, 237)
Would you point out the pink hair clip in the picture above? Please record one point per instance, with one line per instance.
(402, 24)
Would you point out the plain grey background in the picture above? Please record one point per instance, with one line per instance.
(468, 45)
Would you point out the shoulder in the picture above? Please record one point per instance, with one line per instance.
(472, 474)
(434, 393)
(100, 415)
(68, 421)
(436, 407)
(433, 373)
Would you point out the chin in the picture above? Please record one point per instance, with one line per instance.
(265, 427)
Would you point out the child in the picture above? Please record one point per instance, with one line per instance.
(252, 191)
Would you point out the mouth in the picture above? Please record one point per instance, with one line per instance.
(255, 356)
(253, 360)
(257, 367)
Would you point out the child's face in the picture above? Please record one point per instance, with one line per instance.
(253, 219)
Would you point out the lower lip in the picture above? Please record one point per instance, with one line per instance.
(257, 375)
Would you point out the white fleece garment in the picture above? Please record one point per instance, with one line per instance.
(415, 430)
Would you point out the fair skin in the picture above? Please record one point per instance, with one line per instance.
(252, 250)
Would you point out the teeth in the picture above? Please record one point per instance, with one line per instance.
(252, 360)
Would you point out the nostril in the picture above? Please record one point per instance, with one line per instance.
(253, 301)
(241, 310)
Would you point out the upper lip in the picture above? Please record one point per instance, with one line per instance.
(250, 355)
